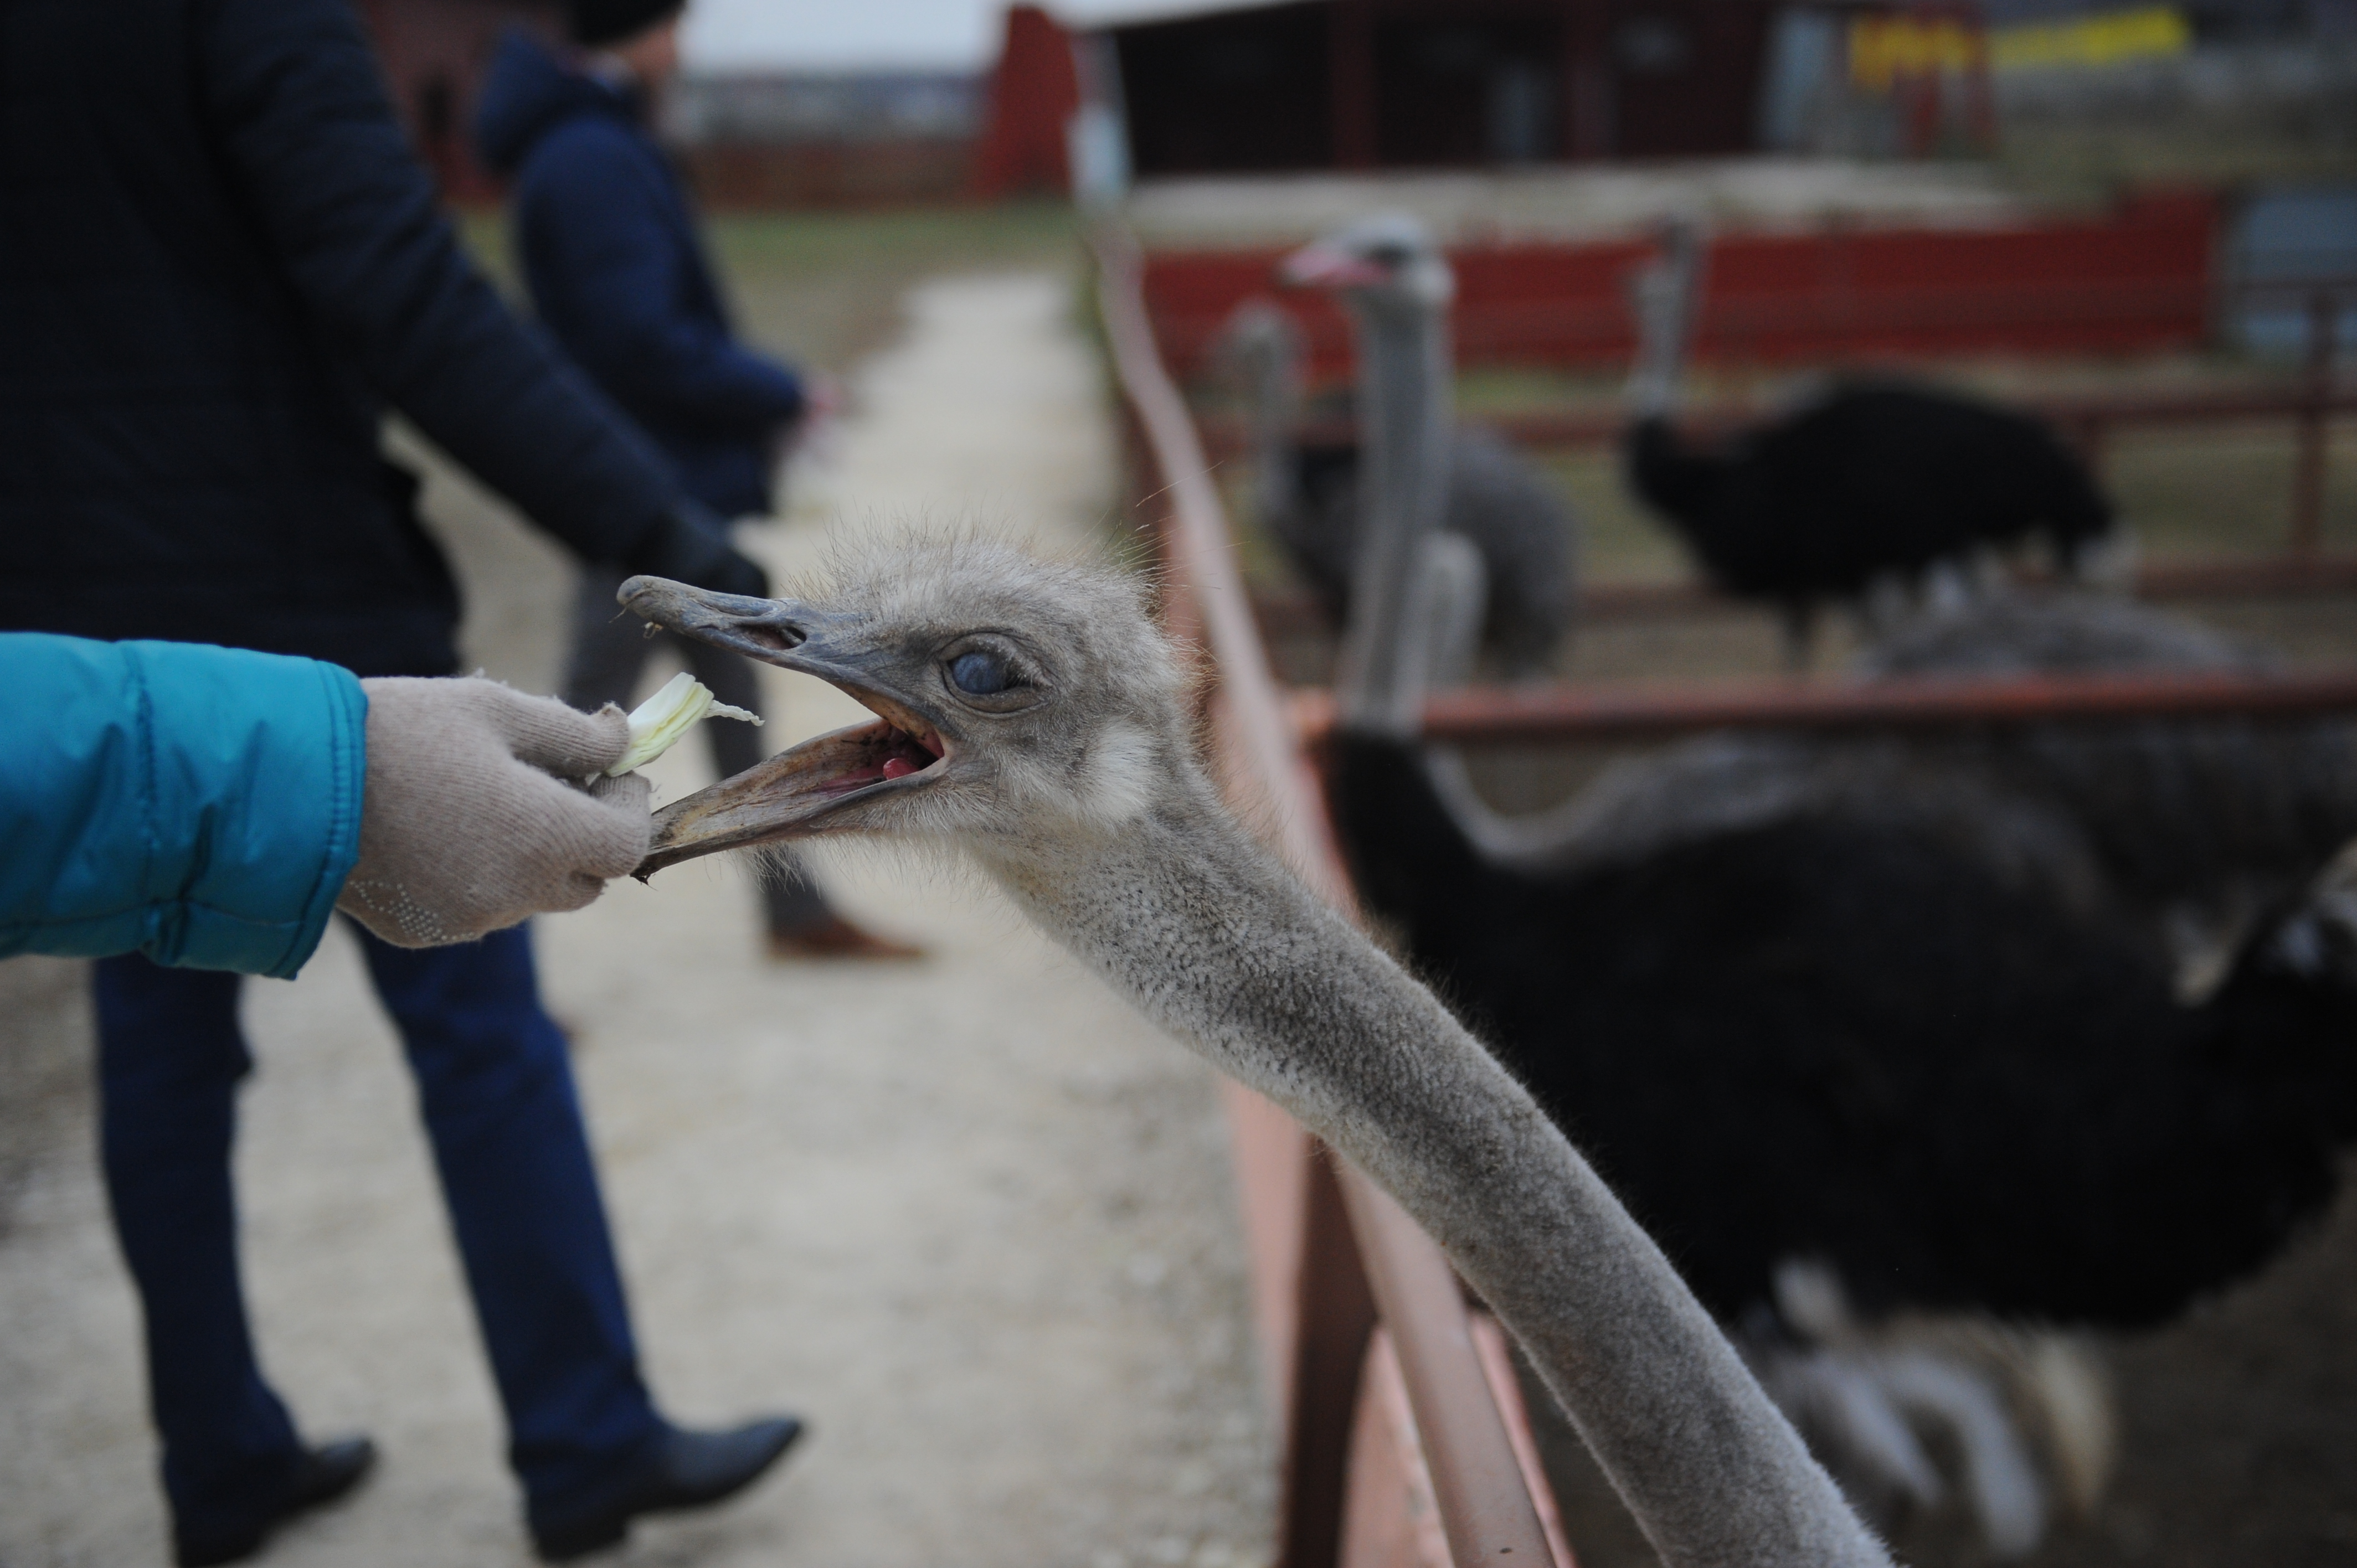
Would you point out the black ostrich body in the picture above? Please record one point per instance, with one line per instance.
(2180, 813)
(1834, 1039)
(2187, 827)
(1873, 478)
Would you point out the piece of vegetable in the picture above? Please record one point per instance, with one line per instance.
(663, 719)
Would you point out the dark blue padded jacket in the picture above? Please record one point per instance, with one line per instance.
(608, 247)
(219, 262)
(199, 805)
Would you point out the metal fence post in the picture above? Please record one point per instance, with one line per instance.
(2307, 461)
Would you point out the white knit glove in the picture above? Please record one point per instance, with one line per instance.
(476, 813)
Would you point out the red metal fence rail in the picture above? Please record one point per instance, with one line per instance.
(2308, 405)
(1651, 712)
(2076, 414)
(1284, 613)
(2141, 279)
(1332, 1255)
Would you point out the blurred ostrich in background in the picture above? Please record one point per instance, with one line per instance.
(1869, 479)
(1311, 496)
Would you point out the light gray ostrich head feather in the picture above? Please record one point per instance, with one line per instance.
(1261, 339)
(1013, 695)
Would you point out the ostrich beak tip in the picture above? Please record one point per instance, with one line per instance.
(817, 785)
(1324, 266)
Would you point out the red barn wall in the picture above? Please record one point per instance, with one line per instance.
(434, 54)
(747, 176)
(1034, 91)
(1441, 83)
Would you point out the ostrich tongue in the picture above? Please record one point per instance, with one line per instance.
(795, 793)
(792, 795)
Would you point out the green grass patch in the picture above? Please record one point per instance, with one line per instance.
(2093, 162)
(2224, 491)
(824, 289)
(781, 245)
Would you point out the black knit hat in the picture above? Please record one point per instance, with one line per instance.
(596, 23)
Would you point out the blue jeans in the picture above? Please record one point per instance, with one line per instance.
(495, 1086)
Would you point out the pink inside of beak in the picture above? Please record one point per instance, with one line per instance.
(1316, 268)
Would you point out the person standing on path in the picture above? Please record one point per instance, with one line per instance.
(609, 249)
(222, 263)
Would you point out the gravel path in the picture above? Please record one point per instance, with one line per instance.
(969, 1217)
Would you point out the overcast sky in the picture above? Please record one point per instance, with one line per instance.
(832, 35)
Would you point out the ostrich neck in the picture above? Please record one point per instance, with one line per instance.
(1664, 333)
(1405, 418)
(1277, 407)
(1653, 383)
(1211, 940)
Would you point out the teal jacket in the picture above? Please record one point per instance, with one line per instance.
(199, 805)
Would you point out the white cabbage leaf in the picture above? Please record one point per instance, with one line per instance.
(664, 720)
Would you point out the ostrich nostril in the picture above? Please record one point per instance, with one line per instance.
(780, 637)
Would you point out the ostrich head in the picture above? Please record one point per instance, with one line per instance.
(1262, 347)
(1014, 697)
(1262, 342)
(1383, 265)
(1397, 286)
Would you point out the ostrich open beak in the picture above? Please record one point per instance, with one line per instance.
(815, 787)
(1328, 266)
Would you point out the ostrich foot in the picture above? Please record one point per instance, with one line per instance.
(2025, 1415)
(2319, 938)
(2107, 564)
(1947, 587)
(1888, 604)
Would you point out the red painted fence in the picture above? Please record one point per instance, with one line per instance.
(2141, 279)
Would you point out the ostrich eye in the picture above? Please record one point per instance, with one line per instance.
(981, 675)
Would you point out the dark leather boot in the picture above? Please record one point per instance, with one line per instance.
(323, 1475)
(684, 1470)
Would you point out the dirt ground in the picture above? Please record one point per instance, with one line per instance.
(970, 1217)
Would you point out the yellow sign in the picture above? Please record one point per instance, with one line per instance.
(1884, 48)
(2154, 33)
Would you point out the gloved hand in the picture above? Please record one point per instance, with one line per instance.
(691, 545)
(473, 814)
